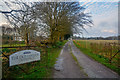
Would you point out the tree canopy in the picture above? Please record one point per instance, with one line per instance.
(53, 19)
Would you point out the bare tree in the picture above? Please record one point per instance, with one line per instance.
(62, 18)
(55, 19)
(21, 18)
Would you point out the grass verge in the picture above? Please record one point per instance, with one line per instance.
(74, 57)
(38, 69)
(98, 58)
(76, 60)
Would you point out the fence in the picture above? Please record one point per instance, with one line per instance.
(109, 51)
(22, 68)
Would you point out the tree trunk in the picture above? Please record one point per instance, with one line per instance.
(26, 39)
(58, 36)
(62, 38)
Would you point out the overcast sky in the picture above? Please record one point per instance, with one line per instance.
(105, 19)
(104, 15)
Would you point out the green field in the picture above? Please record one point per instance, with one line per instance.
(101, 51)
(101, 41)
(10, 49)
(8, 45)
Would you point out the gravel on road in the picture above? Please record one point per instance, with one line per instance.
(66, 66)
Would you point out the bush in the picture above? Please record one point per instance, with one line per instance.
(5, 42)
(6, 50)
(13, 50)
(13, 42)
(18, 42)
(58, 44)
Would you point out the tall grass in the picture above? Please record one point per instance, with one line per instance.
(102, 52)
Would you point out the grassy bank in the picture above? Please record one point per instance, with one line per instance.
(38, 69)
(101, 59)
(74, 57)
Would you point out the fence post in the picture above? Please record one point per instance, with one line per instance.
(110, 53)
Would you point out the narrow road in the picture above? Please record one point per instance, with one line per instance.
(92, 67)
(66, 66)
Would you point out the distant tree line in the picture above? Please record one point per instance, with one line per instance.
(99, 38)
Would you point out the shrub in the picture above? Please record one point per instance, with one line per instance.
(5, 42)
(6, 50)
(58, 44)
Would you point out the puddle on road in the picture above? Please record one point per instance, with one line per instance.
(58, 66)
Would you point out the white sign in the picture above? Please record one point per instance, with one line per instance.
(24, 56)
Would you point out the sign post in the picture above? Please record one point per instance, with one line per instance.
(24, 56)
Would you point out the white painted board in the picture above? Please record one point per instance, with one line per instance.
(23, 56)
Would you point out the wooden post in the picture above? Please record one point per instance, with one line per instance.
(110, 52)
